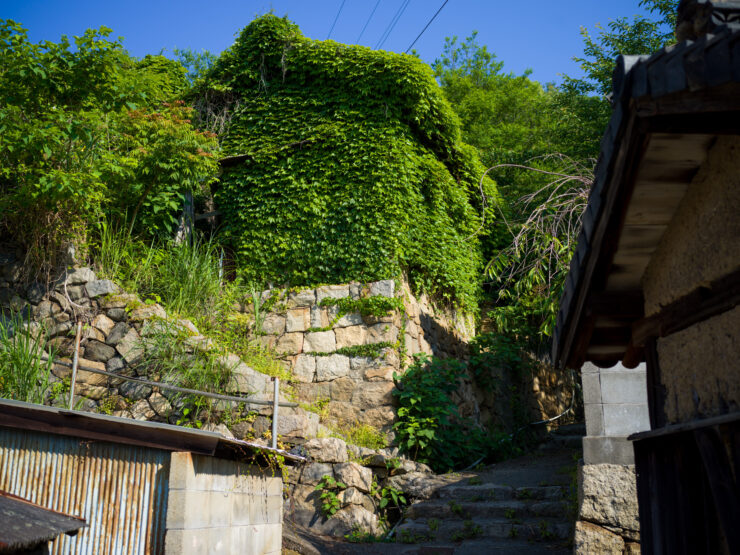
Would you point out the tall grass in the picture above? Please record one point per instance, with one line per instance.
(24, 374)
(184, 277)
(167, 357)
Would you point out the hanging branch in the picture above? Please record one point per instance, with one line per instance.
(543, 242)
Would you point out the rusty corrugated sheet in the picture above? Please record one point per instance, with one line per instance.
(121, 490)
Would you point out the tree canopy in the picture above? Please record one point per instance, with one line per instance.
(88, 132)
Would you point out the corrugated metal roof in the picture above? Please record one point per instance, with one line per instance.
(24, 524)
(101, 427)
(120, 489)
(671, 101)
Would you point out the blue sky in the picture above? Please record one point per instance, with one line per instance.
(539, 34)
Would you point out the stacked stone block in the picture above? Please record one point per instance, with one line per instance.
(316, 343)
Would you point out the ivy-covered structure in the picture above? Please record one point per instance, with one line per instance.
(345, 163)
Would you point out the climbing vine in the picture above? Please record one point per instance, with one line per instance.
(351, 168)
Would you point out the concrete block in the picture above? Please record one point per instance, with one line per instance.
(273, 486)
(608, 450)
(591, 388)
(198, 509)
(197, 542)
(623, 387)
(623, 420)
(265, 510)
(590, 368)
(182, 474)
(594, 419)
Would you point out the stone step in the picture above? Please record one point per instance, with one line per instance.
(465, 510)
(496, 492)
(489, 546)
(433, 529)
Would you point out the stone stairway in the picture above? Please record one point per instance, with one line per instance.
(521, 506)
(478, 507)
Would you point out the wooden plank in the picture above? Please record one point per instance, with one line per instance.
(724, 487)
(725, 419)
(655, 387)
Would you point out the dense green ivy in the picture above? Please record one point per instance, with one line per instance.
(355, 167)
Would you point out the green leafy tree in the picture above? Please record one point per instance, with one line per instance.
(532, 138)
(85, 134)
(639, 35)
(196, 63)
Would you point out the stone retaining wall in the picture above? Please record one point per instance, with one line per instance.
(328, 352)
(363, 471)
(117, 331)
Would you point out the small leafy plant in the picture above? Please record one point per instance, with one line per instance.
(328, 486)
(390, 496)
(469, 530)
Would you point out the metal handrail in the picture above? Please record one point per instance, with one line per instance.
(232, 398)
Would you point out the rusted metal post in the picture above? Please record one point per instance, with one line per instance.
(74, 365)
(275, 403)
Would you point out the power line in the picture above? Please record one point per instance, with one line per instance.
(426, 26)
(368, 21)
(392, 24)
(335, 20)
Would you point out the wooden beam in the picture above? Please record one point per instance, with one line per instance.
(701, 304)
(655, 387)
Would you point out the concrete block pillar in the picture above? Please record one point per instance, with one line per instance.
(615, 404)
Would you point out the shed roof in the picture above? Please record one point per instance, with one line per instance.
(28, 416)
(668, 109)
(24, 524)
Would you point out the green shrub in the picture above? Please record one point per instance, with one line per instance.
(88, 132)
(329, 487)
(429, 427)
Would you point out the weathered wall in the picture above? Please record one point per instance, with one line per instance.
(117, 327)
(702, 243)
(221, 506)
(702, 374)
(608, 520)
(360, 469)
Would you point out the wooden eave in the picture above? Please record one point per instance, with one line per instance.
(669, 109)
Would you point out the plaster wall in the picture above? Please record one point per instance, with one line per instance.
(700, 370)
(702, 242)
(221, 506)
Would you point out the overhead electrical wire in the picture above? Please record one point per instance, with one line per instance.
(368, 21)
(426, 26)
(392, 24)
(335, 20)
